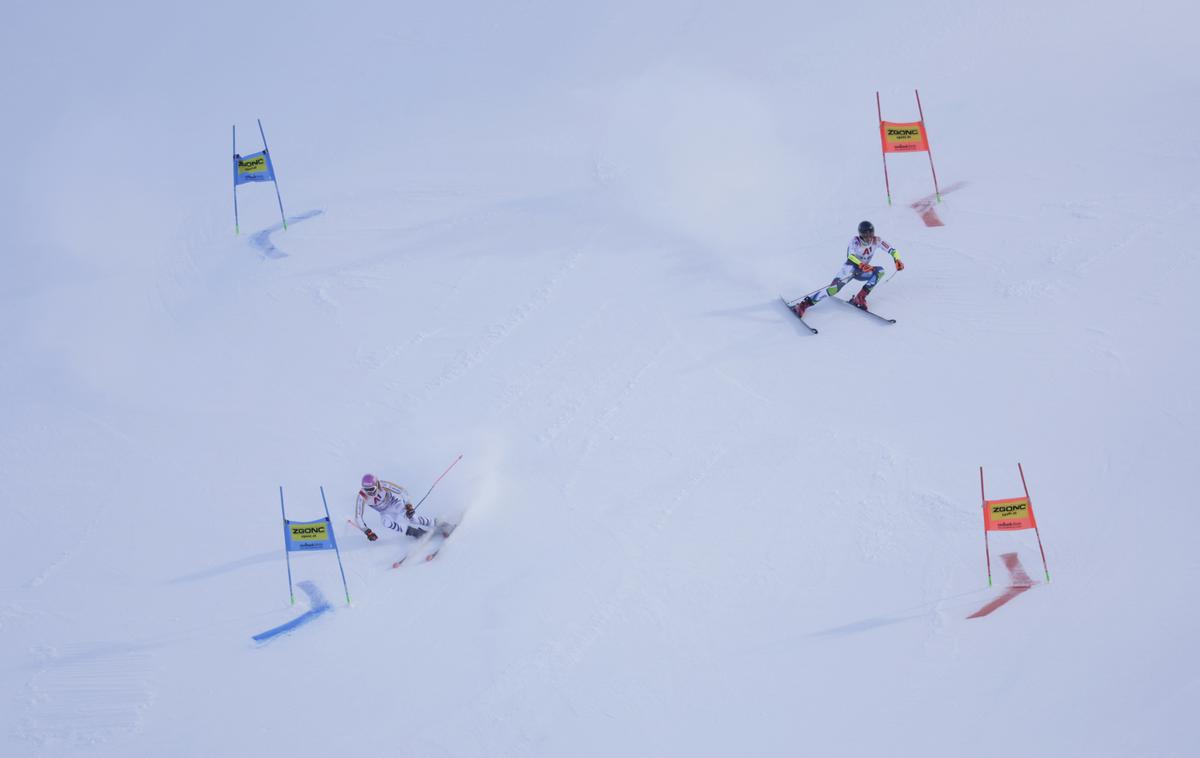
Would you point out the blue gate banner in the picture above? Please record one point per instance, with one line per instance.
(308, 535)
(253, 168)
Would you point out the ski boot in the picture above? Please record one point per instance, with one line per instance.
(860, 300)
(800, 307)
(443, 528)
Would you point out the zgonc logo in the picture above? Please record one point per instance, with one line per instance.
(308, 532)
(252, 165)
(1009, 511)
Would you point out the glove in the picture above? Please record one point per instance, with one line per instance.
(372, 536)
(866, 267)
(899, 264)
(409, 510)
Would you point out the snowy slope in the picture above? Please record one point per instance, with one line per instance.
(551, 239)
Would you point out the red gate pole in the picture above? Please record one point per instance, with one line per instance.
(1035, 527)
(986, 550)
(928, 148)
(886, 183)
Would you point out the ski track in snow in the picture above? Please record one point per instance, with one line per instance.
(528, 379)
(704, 535)
(82, 536)
(578, 398)
(84, 695)
(378, 359)
(468, 360)
(510, 703)
(614, 406)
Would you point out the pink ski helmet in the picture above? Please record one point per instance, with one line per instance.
(369, 483)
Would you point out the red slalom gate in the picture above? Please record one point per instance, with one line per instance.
(905, 137)
(1013, 514)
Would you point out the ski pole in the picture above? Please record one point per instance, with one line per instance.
(435, 481)
(889, 277)
(366, 531)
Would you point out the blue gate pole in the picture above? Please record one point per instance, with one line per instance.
(286, 553)
(275, 180)
(336, 549)
(236, 227)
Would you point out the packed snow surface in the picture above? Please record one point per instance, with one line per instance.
(551, 237)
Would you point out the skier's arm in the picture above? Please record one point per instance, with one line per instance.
(852, 257)
(410, 514)
(862, 265)
(400, 493)
(403, 524)
(895, 255)
(851, 254)
(361, 522)
(395, 489)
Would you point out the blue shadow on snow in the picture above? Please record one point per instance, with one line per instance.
(319, 606)
(262, 240)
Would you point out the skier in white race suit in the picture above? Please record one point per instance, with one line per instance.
(857, 267)
(395, 510)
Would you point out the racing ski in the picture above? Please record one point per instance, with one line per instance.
(873, 314)
(797, 315)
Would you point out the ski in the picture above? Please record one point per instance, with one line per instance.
(440, 545)
(424, 540)
(884, 319)
(421, 542)
(802, 321)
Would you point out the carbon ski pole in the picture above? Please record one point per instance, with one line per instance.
(435, 481)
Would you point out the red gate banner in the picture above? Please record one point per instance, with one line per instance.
(1009, 515)
(903, 138)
